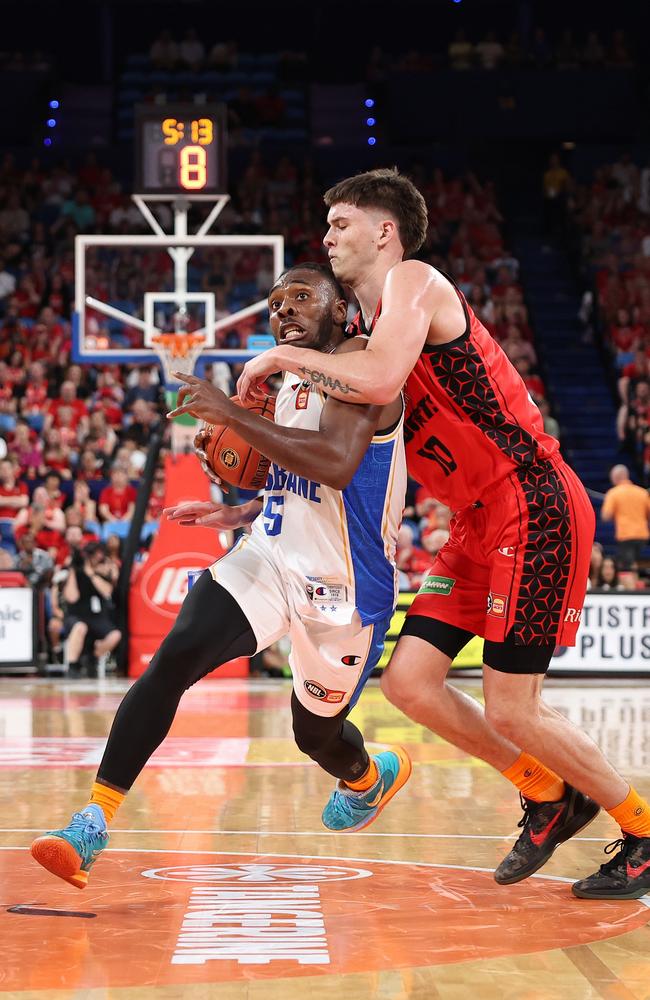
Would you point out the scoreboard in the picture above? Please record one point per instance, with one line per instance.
(180, 149)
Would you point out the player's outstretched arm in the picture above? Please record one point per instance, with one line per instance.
(411, 296)
(329, 455)
(196, 513)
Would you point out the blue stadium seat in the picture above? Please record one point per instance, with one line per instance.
(119, 528)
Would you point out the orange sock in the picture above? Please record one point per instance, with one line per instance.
(632, 815)
(533, 780)
(368, 780)
(108, 798)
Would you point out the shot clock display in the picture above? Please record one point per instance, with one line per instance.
(180, 149)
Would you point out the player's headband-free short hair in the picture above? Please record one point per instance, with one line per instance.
(391, 191)
(320, 269)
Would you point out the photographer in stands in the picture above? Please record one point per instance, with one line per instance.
(88, 593)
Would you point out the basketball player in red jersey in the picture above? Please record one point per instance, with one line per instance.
(515, 568)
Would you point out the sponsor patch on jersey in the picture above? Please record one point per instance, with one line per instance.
(442, 585)
(302, 394)
(496, 605)
(350, 661)
(324, 694)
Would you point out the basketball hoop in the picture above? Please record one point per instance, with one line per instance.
(173, 347)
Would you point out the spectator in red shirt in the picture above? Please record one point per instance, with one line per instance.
(90, 465)
(83, 503)
(7, 400)
(157, 497)
(34, 403)
(624, 335)
(532, 382)
(13, 498)
(50, 495)
(117, 501)
(67, 429)
(68, 398)
(24, 444)
(36, 521)
(433, 540)
(56, 455)
(412, 562)
(75, 519)
(101, 436)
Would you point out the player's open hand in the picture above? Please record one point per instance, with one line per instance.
(197, 514)
(201, 399)
(249, 384)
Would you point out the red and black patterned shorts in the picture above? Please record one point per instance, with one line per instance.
(518, 562)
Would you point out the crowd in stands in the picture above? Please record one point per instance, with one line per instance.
(612, 214)
(540, 51)
(189, 52)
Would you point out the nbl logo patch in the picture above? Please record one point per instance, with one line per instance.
(323, 693)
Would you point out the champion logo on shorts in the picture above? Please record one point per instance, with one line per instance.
(496, 605)
(350, 661)
(442, 585)
(324, 694)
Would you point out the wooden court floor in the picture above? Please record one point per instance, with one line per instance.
(220, 881)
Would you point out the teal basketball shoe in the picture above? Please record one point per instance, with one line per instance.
(348, 810)
(70, 853)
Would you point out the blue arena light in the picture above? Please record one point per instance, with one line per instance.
(51, 122)
(47, 142)
(54, 105)
(371, 121)
(369, 103)
(371, 140)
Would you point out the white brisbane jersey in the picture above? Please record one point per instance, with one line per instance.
(318, 564)
(342, 542)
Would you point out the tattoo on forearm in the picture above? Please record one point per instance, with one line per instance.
(329, 383)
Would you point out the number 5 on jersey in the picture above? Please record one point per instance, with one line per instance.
(273, 513)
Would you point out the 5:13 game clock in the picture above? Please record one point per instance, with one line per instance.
(180, 149)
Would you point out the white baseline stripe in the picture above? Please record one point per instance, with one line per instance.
(314, 833)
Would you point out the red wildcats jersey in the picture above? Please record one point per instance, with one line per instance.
(469, 419)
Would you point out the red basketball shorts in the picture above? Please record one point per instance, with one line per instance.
(518, 561)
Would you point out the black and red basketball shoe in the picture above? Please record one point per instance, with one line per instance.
(626, 876)
(546, 825)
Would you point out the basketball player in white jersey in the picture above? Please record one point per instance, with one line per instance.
(318, 565)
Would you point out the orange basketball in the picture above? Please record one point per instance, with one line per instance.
(233, 459)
